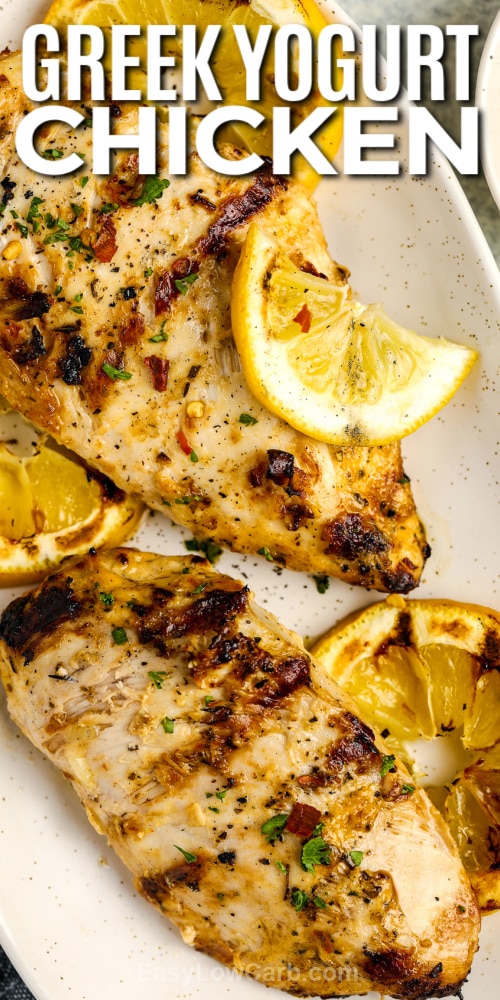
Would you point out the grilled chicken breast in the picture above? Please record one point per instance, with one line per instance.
(115, 336)
(236, 781)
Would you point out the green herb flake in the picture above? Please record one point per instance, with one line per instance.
(182, 284)
(115, 373)
(207, 546)
(315, 852)
(194, 457)
(83, 181)
(299, 899)
(79, 311)
(264, 551)
(77, 209)
(107, 599)
(208, 699)
(220, 896)
(14, 214)
(213, 809)
(58, 290)
(79, 297)
(221, 795)
(152, 190)
(461, 909)
(356, 857)
(273, 828)
(322, 583)
(148, 272)
(159, 338)
(190, 858)
(52, 154)
(157, 676)
(199, 588)
(168, 724)
(320, 903)
(281, 867)
(407, 789)
(108, 208)
(34, 209)
(248, 420)
(23, 230)
(388, 761)
(119, 636)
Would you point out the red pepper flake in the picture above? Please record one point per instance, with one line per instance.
(183, 441)
(304, 318)
(105, 245)
(159, 371)
(303, 820)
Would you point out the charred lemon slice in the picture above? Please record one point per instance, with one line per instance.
(425, 669)
(52, 505)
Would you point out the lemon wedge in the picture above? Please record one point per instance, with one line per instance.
(425, 668)
(332, 368)
(53, 506)
(227, 64)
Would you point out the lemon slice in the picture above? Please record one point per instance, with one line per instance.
(423, 669)
(227, 65)
(334, 369)
(54, 506)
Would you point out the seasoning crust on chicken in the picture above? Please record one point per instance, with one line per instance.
(115, 337)
(236, 781)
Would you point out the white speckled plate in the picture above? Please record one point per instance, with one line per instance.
(69, 917)
(488, 101)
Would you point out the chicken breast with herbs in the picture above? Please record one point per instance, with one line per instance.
(236, 781)
(115, 337)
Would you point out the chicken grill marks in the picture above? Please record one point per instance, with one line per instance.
(142, 268)
(193, 728)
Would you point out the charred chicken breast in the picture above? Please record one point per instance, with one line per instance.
(236, 781)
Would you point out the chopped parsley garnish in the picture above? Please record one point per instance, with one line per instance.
(408, 789)
(157, 676)
(221, 795)
(58, 290)
(182, 284)
(22, 229)
(107, 599)
(281, 867)
(79, 297)
(52, 154)
(247, 419)
(199, 588)
(84, 181)
(356, 857)
(213, 809)
(315, 852)
(209, 548)
(273, 828)
(168, 724)
(119, 635)
(152, 190)
(79, 311)
(108, 207)
(148, 272)
(322, 583)
(34, 209)
(320, 903)
(50, 222)
(388, 761)
(190, 858)
(160, 337)
(194, 457)
(264, 551)
(78, 209)
(115, 373)
(300, 899)
(208, 699)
